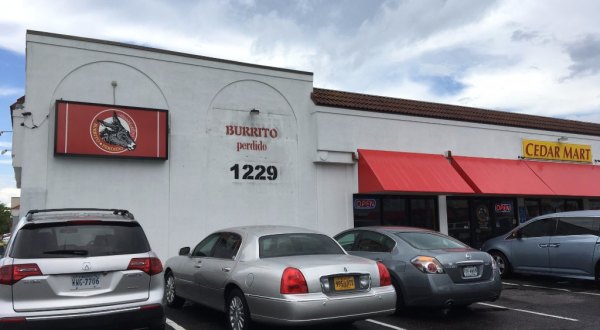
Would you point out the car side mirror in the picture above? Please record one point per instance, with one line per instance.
(184, 251)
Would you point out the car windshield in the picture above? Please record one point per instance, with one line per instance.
(284, 245)
(430, 241)
(79, 238)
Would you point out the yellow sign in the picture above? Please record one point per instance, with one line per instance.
(557, 151)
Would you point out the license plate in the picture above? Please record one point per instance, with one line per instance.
(85, 282)
(470, 271)
(344, 283)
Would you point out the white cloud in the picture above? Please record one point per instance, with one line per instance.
(507, 54)
(8, 189)
(10, 91)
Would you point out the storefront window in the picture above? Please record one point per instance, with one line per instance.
(374, 210)
(571, 205)
(543, 206)
(394, 212)
(532, 207)
(459, 225)
(552, 205)
(504, 212)
(594, 204)
(367, 211)
(475, 220)
(422, 213)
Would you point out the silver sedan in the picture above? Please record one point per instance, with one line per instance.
(280, 275)
(428, 269)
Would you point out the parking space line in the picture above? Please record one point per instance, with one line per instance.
(550, 288)
(530, 312)
(174, 325)
(385, 324)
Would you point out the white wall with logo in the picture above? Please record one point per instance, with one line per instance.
(197, 190)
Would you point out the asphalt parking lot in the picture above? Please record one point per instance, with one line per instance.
(527, 302)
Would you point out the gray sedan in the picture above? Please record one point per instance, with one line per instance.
(428, 268)
(280, 275)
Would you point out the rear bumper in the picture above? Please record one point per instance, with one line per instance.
(127, 318)
(441, 291)
(304, 309)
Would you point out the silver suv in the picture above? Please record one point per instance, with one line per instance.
(80, 269)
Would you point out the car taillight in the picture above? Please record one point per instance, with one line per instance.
(428, 265)
(384, 275)
(11, 274)
(293, 281)
(150, 266)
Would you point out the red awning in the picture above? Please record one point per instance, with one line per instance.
(386, 171)
(569, 179)
(500, 176)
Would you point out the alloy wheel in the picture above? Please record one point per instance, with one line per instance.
(170, 289)
(237, 317)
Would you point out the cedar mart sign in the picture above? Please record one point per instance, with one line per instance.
(557, 151)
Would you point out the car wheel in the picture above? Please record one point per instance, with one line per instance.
(171, 294)
(238, 313)
(502, 262)
(399, 298)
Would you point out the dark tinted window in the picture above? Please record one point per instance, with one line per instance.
(80, 238)
(227, 246)
(374, 242)
(283, 245)
(578, 226)
(544, 227)
(347, 240)
(205, 247)
(430, 241)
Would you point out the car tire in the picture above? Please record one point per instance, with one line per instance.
(400, 307)
(502, 262)
(237, 311)
(598, 275)
(171, 297)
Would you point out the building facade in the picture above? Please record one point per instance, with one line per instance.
(191, 144)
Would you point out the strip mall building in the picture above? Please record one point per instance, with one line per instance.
(191, 144)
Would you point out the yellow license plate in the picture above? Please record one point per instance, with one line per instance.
(344, 283)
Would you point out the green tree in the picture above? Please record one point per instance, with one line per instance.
(5, 218)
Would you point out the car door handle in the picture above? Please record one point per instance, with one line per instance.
(555, 245)
(226, 269)
(198, 264)
(543, 245)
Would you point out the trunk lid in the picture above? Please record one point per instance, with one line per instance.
(80, 282)
(464, 265)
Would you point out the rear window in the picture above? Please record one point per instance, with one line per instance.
(430, 241)
(79, 238)
(284, 245)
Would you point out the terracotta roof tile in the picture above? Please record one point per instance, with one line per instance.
(356, 101)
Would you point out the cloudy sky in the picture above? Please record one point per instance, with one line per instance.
(528, 56)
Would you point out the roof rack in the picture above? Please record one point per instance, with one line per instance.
(121, 212)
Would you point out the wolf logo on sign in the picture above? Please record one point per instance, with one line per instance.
(114, 134)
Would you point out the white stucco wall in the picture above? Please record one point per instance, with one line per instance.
(182, 199)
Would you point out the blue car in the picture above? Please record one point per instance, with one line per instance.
(563, 244)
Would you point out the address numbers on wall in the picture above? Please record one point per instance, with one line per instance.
(254, 172)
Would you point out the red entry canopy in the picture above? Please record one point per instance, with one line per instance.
(569, 179)
(500, 176)
(386, 171)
